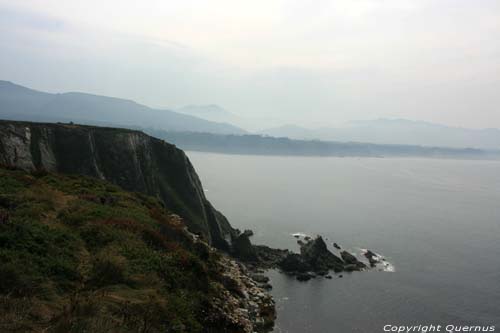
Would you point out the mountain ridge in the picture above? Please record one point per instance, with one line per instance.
(21, 103)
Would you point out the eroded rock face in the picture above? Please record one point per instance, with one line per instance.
(130, 159)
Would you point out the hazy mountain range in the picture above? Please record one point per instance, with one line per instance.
(379, 131)
(214, 112)
(210, 112)
(396, 131)
(20, 103)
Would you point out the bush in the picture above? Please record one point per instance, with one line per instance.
(154, 239)
(97, 236)
(14, 281)
(108, 270)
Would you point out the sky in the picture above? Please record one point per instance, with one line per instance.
(311, 63)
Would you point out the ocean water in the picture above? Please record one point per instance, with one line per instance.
(436, 221)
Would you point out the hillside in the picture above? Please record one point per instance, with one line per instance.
(78, 254)
(21, 103)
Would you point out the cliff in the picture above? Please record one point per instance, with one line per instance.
(78, 254)
(131, 159)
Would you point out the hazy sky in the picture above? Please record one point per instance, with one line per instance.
(302, 61)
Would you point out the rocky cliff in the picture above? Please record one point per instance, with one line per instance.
(130, 159)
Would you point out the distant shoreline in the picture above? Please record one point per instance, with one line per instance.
(272, 146)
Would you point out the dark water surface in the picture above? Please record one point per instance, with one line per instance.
(436, 221)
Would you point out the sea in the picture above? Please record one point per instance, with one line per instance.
(435, 221)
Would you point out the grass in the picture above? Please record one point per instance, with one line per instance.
(81, 255)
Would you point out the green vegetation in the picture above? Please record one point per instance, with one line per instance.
(81, 255)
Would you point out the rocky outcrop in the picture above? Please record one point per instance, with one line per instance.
(243, 249)
(316, 253)
(316, 260)
(130, 159)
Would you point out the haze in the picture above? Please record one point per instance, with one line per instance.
(312, 63)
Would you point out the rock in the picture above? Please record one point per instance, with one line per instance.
(350, 267)
(348, 257)
(243, 249)
(335, 245)
(294, 262)
(307, 238)
(233, 285)
(259, 278)
(328, 276)
(322, 273)
(340, 276)
(304, 276)
(372, 257)
(300, 242)
(353, 264)
(296, 236)
(269, 257)
(266, 286)
(316, 254)
(248, 232)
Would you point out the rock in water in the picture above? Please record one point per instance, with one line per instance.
(348, 257)
(352, 263)
(304, 276)
(317, 255)
(294, 262)
(259, 278)
(335, 245)
(372, 257)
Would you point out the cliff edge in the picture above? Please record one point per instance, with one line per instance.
(131, 159)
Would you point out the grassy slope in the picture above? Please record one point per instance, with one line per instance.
(81, 255)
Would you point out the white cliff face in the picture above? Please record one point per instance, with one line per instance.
(15, 149)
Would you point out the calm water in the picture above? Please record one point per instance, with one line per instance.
(437, 221)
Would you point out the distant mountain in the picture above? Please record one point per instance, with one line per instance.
(21, 103)
(210, 112)
(396, 131)
(217, 113)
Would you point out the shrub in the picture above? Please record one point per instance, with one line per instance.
(108, 270)
(14, 281)
(154, 239)
(97, 236)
